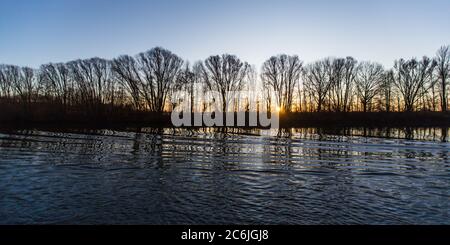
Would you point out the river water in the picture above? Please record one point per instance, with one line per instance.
(208, 176)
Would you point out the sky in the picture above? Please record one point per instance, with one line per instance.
(34, 32)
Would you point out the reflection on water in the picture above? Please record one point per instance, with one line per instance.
(211, 176)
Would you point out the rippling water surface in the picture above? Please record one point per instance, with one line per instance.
(180, 176)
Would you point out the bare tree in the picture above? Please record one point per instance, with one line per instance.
(282, 73)
(412, 76)
(386, 90)
(24, 85)
(125, 69)
(350, 73)
(94, 82)
(342, 73)
(160, 68)
(13, 79)
(225, 74)
(368, 83)
(267, 98)
(5, 82)
(187, 80)
(57, 83)
(317, 82)
(443, 71)
(253, 91)
(150, 77)
(335, 75)
(17, 81)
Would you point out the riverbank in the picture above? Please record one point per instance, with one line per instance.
(122, 118)
(366, 119)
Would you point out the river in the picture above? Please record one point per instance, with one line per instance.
(208, 176)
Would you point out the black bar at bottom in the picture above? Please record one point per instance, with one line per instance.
(221, 234)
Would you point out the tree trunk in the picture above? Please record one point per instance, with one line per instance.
(444, 97)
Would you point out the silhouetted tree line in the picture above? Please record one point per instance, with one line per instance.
(147, 81)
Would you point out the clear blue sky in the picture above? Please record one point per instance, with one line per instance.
(33, 32)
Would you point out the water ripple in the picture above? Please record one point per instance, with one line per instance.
(206, 176)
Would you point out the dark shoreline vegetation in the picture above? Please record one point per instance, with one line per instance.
(48, 116)
(144, 89)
